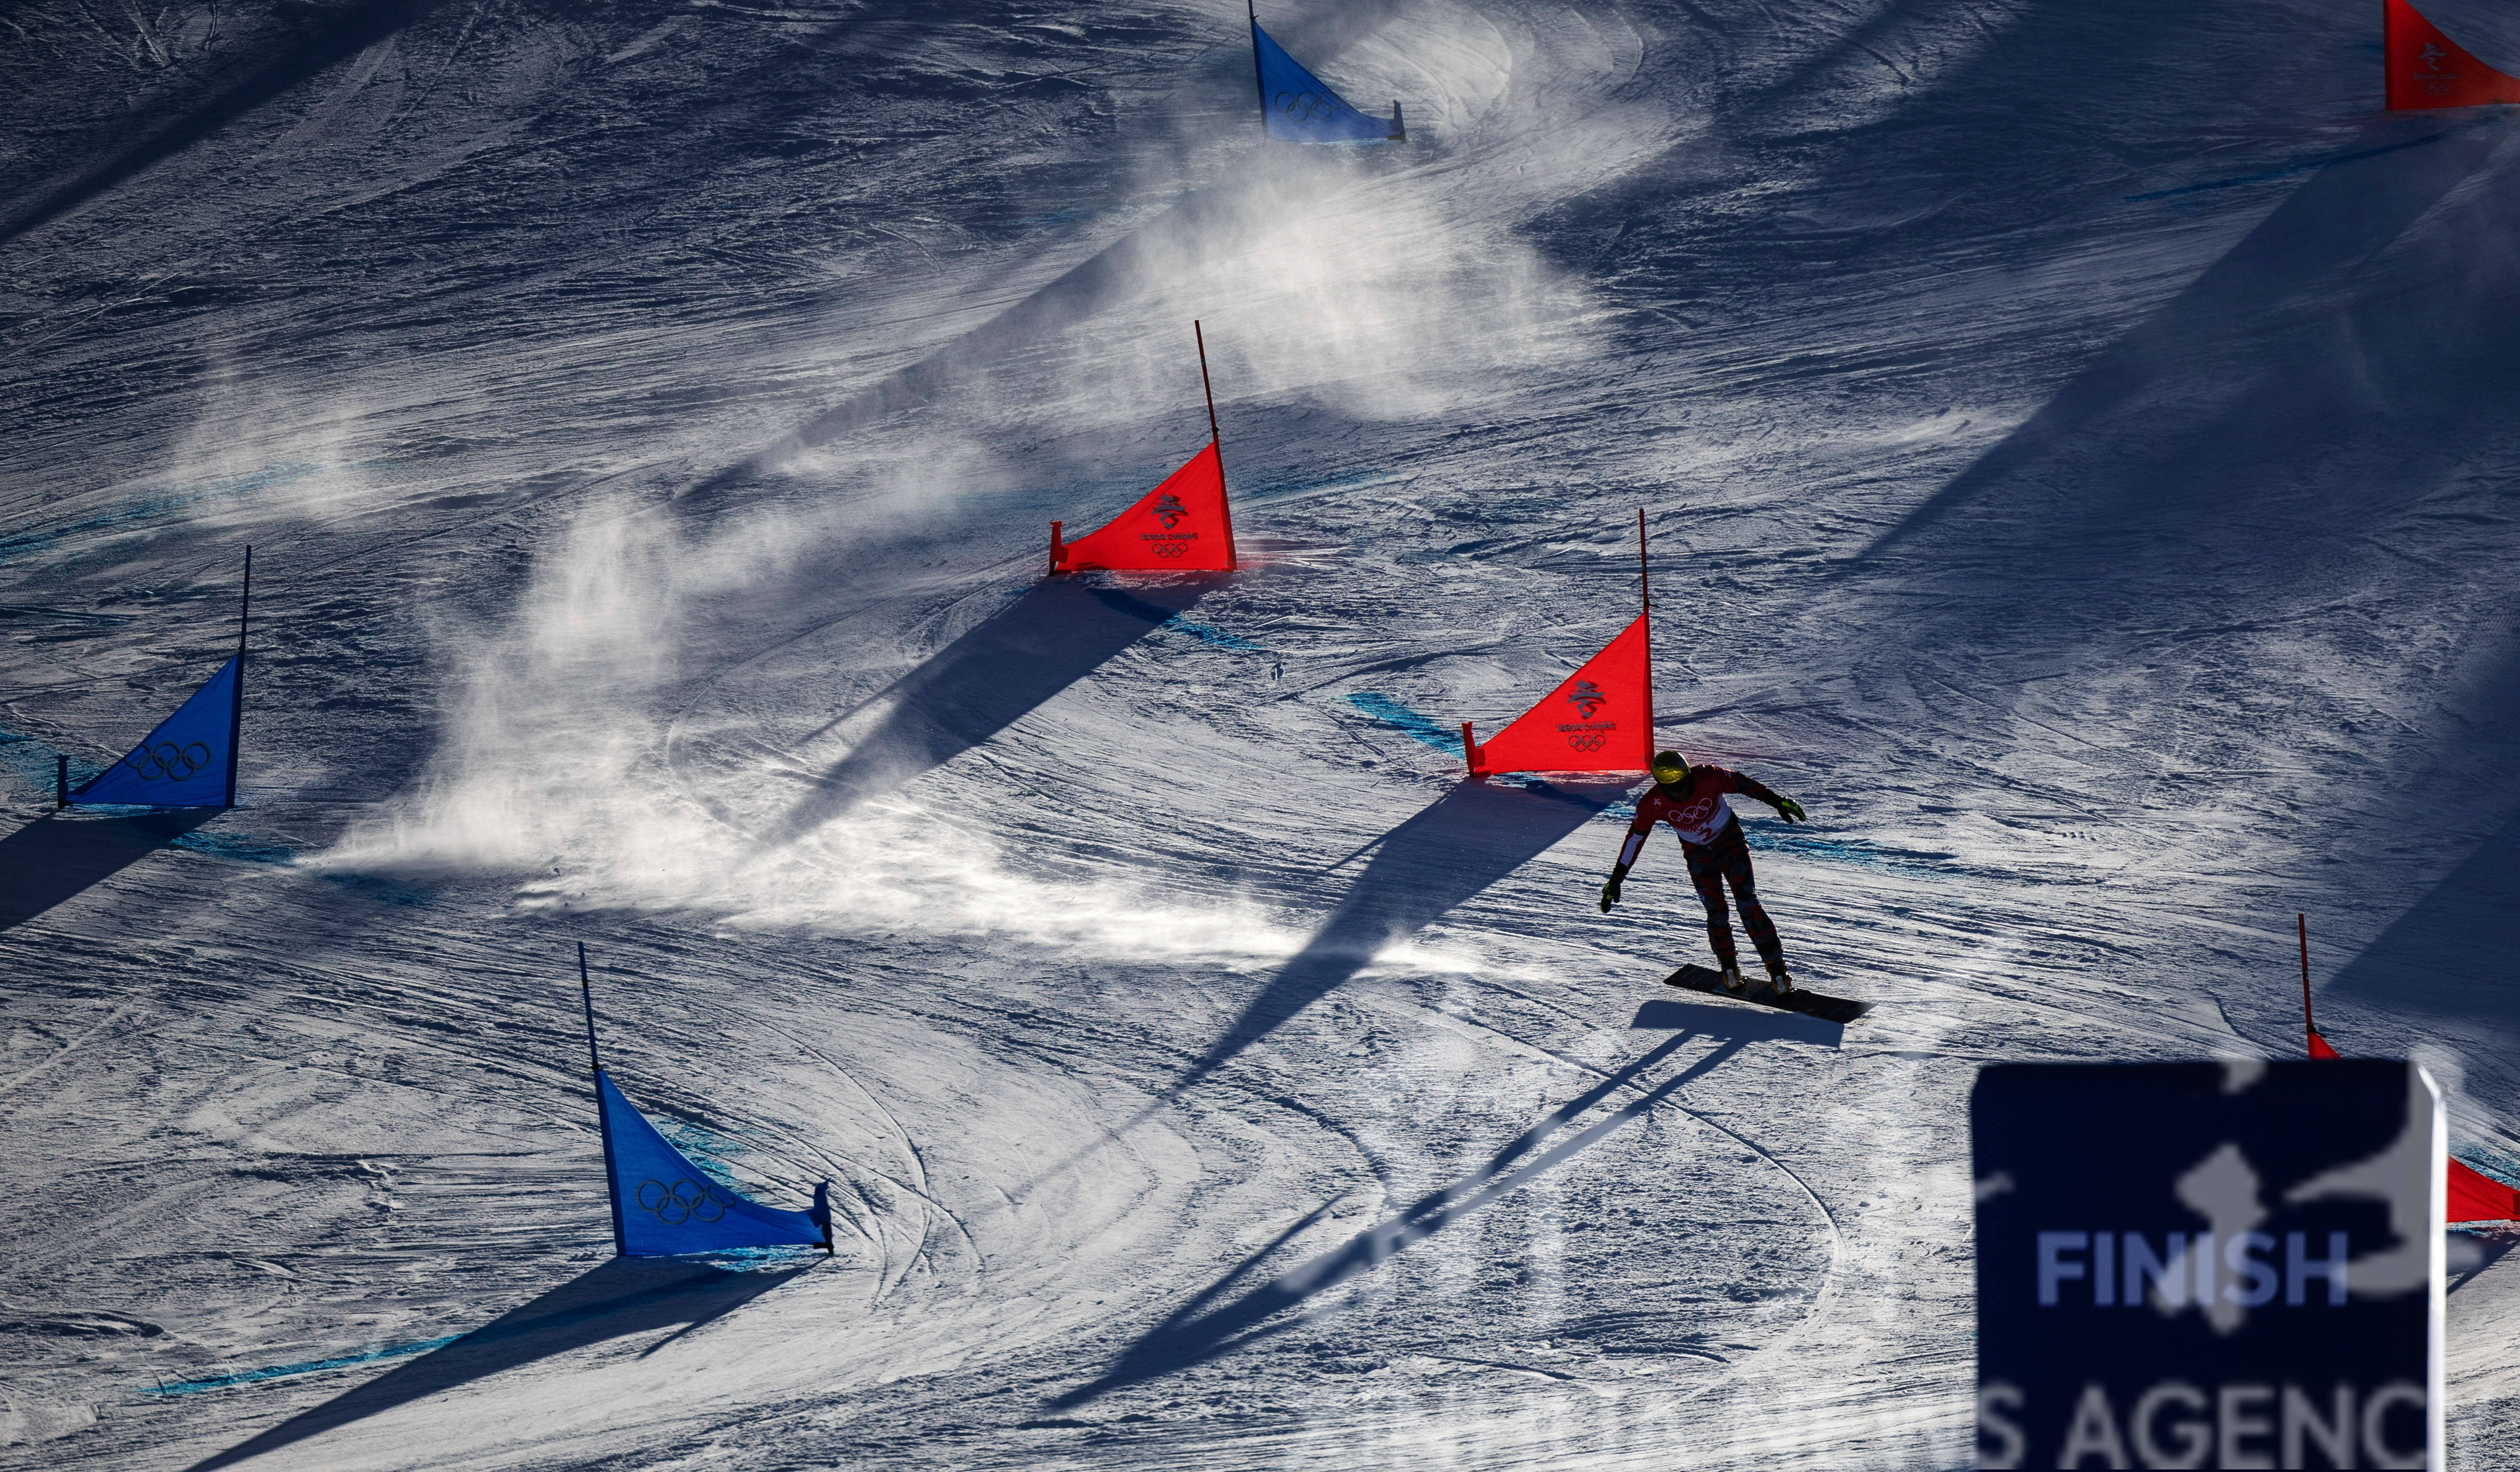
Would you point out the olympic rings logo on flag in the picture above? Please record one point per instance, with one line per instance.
(1590, 742)
(1171, 549)
(167, 761)
(673, 1208)
(1304, 107)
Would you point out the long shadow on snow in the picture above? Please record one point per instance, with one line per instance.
(1466, 840)
(2452, 954)
(58, 856)
(2341, 361)
(1059, 632)
(2452, 959)
(2352, 352)
(337, 38)
(2278, 282)
(1202, 1329)
(625, 1296)
(2006, 111)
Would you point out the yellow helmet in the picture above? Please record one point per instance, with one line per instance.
(1669, 767)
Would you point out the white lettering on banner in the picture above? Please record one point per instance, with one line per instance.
(1997, 1403)
(2335, 1435)
(2375, 1413)
(2180, 1272)
(2190, 1436)
(2235, 1428)
(2095, 1432)
(2246, 1424)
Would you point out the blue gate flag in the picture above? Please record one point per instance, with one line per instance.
(665, 1206)
(189, 761)
(1300, 109)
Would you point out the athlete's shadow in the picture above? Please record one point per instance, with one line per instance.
(1052, 636)
(625, 1296)
(1199, 1331)
(58, 856)
(1473, 837)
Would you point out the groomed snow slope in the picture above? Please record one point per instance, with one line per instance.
(2079, 447)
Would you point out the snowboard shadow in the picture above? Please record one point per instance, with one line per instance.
(1059, 632)
(1743, 1022)
(1468, 839)
(622, 1297)
(58, 856)
(1204, 1329)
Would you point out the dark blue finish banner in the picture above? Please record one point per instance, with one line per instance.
(1300, 109)
(2208, 1265)
(185, 762)
(665, 1205)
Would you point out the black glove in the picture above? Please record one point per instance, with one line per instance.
(1791, 811)
(1610, 891)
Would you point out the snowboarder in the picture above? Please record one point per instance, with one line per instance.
(1691, 800)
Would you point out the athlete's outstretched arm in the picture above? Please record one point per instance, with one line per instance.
(1786, 808)
(1627, 852)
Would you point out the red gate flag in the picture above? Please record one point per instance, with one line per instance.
(2474, 1196)
(1182, 525)
(2429, 69)
(1599, 719)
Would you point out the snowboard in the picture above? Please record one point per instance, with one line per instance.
(1707, 979)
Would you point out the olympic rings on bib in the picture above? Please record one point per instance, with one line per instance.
(168, 762)
(671, 1206)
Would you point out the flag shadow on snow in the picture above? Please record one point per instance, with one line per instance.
(1469, 838)
(57, 858)
(624, 1296)
(1059, 632)
(1203, 1329)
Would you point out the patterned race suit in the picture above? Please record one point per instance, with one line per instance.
(1710, 837)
